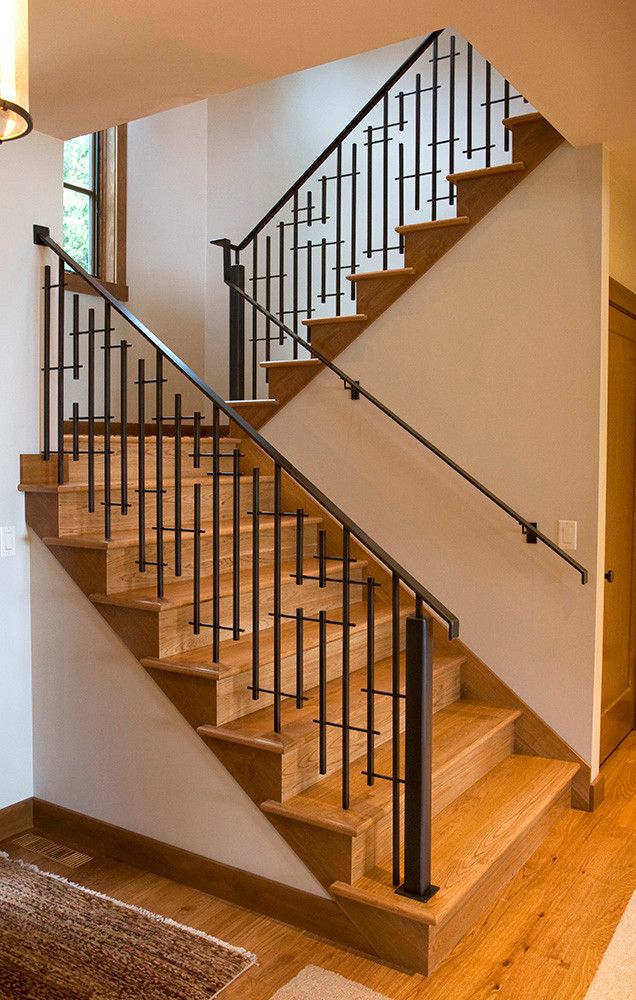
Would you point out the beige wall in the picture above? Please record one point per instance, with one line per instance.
(622, 225)
(498, 355)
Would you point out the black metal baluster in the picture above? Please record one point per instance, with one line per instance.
(346, 663)
(197, 440)
(506, 131)
(254, 318)
(310, 249)
(236, 544)
(401, 193)
(196, 577)
(451, 119)
(295, 271)
(322, 557)
(401, 110)
(487, 106)
(216, 537)
(418, 141)
(395, 723)
(434, 132)
(338, 229)
(107, 448)
(309, 208)
(91, 411)
(141, 461)
(178, 518)
(75, 336)
(159, 469)
(469, 101)
(323, 270)
(385, 182)
(323, 199)
(46, 391)
(281, 279)
(60, 373)
(76, 447)
(300, 666)
(369, 250)
(300, 545)
(256, 555)
(370, 680)
(123, 414)
(277, 595)
(354, 208)
(322, 690)
(268, 296)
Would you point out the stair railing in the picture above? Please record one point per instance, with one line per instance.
(434, 116)
(176, 520)
(529, 528)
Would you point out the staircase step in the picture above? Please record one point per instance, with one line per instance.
(427, 227)
(426, 242)
(479, 842)
(291, 363)
(255, 411)
(98, 566)
(469, 739)
(336, 320)
(277, 766)
(486, 172)
(286, 378)
(153, 627)
(377, 290)
(331, 334)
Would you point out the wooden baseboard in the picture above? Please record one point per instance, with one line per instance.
(16, 818)
(293, 906)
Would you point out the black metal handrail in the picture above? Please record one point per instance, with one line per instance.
(528, 527)
(42, 238)
(346, 131)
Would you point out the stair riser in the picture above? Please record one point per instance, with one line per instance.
(331, 339)
(234, 700)
(423, 249)
(533, 141)
(74, 517)
(374, 295)
(170, 631)
(114, 570)
(35, 470)
(475, 197)
(284, 383)
(285, 775)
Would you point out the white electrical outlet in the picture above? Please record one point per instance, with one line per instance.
(7, 542)
(568, 535)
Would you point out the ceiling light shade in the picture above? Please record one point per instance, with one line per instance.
(15, 120)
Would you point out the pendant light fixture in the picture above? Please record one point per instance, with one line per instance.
(15, 120)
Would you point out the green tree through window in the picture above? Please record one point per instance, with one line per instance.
(80, 200)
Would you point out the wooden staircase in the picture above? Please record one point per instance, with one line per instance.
(478, 191)
(492, 804)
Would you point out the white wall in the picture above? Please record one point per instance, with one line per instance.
(30, 170)
(108, 743)
(498, 355)
(622, 226)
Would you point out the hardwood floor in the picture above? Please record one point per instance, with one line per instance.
(542, 940)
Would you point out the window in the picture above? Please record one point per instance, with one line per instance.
(94, 229)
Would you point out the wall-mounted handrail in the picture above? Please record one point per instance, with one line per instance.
(42, 237)
(346, 131)
(524, 523)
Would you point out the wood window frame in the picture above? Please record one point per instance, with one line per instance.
(111, 216)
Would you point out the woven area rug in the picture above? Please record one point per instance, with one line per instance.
(615, 977)
(59, 941)
(314, 983)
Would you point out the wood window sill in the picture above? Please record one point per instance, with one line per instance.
(74, 283)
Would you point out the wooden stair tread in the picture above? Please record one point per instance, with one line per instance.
(237, 656)
(178, 593)
(297, 723)
(503, 168)
(292, 363)
(397, 272)
(424, 227)
(471, 836)
(130, 539)
(252, 402)
(532, 116)
(325, 320)
(458, 729)
(168, 481)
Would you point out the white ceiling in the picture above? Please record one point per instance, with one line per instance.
(99, 64)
